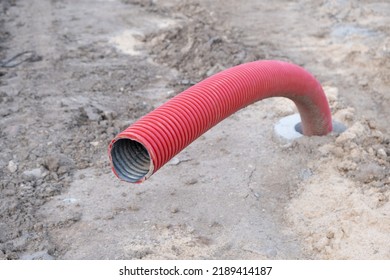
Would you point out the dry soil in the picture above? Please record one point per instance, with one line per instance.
(89, 68)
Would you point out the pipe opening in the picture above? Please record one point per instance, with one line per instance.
(130, 159)
(298, 128)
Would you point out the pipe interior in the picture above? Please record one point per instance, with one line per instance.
(130, 159)
(298, 128)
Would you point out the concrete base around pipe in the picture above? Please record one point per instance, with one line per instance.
(290, 128)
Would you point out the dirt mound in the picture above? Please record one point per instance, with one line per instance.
(342, 210)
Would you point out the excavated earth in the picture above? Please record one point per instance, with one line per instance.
(73, 74)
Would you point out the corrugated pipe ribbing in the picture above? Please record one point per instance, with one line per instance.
(144, 147)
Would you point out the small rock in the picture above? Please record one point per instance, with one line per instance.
(381, 153)
(32, 174)
(52, 163)
(70, 200)
(192, 181)
(174, 161)
(95, 143)
(330, 234)
(372, 124)
(63, 169)
(109, 115)
(177, 160)
(12, 166)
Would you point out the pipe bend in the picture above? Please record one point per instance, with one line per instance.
(144, 147)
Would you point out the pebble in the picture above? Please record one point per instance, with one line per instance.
(187, 83)
(70, 200)
(174, 161)
(12, 166)
(52, 163)
(63, 169)
(192, 181)
(94, 143)
(381, 153)
(32, 174)
(110, 115)
(177, 160)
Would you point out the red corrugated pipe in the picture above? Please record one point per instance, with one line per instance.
(144, 147)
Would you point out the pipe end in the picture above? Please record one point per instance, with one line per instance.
(131, 161)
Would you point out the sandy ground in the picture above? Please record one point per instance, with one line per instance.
(239, 191)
